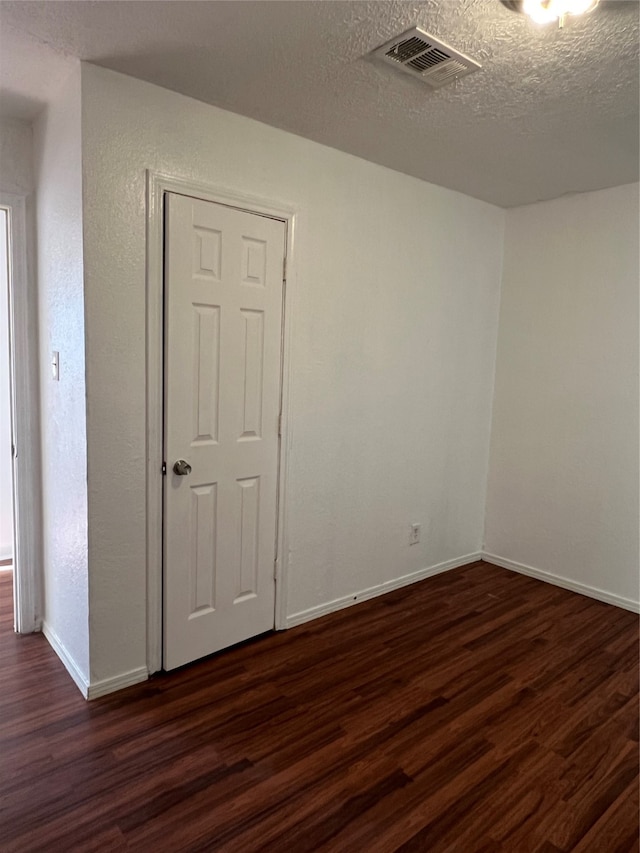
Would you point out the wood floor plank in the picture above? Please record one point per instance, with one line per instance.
(615, 830)
(479, 711)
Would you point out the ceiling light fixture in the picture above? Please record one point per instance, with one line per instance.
(547, 11)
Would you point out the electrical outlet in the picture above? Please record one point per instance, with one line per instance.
(414, 534)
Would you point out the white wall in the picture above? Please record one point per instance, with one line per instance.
(16, 157)
(58, 166)
(563, 485)
(394, 330)
(6, 477)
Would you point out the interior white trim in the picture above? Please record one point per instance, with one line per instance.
(565, 583)
(379, 589)
(25, 423)
(117, 682)
(70, 665)
(157, 185)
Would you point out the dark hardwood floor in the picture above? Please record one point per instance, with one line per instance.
(476, 711)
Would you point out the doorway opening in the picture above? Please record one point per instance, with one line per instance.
(20, 527)
(7, 544)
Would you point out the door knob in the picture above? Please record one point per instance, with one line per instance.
(181, 468)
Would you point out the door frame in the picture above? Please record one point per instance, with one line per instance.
(25, 425)
(157, 185)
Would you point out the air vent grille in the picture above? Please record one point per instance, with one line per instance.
(406, 49)
(427, 58)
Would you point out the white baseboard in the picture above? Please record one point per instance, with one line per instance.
(96, 688)
(71, 666)
(380, 589)
(565, 583)
(117, 682)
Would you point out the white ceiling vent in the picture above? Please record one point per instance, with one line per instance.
(427, 58)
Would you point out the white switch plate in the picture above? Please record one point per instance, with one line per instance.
(414, 534)
(55, 365)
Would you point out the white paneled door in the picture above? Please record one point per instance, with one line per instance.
(223, 331)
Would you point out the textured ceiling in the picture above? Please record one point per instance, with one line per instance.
(552, 112)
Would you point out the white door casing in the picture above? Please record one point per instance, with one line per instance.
(24, 365)
(223, 333)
